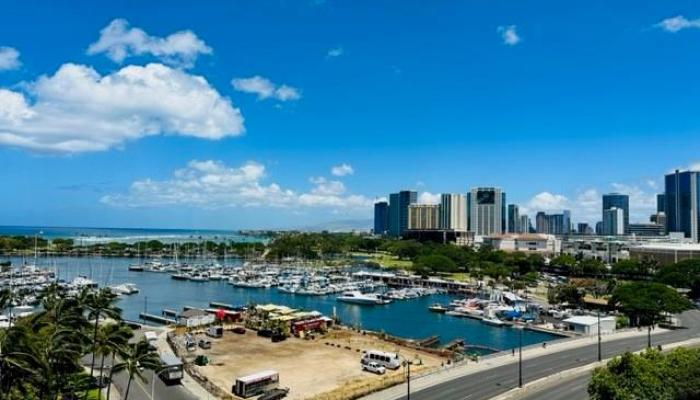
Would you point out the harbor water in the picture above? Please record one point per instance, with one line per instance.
(404, 318)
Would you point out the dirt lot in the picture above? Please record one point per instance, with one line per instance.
(324, 368)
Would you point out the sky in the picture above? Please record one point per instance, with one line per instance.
(285, 114)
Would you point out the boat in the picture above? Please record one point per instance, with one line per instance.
(199, 277)
(438, 308)
(180, 277)
(136, 267)
(493, 321)
(357, 297)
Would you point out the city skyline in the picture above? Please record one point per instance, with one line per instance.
(334, 118)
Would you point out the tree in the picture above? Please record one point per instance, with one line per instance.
(566, 293)
(111, 339)
(101, 304)
(646, 302)
(434, 263)
(134, 357)
(650, 375)
(684, 274)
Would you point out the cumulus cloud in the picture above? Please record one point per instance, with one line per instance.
(212, 184)
(342, 170)
(265, 88)
(78, 110)
(429, 198)
(335, 52)
(119, 41)
(9, 58)
(547, 201)
(509, 34)
(678, 23)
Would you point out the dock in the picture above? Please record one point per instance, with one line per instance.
(429, 341)
(169, 313)
(156, 318)
(454, 345)
(226, 306)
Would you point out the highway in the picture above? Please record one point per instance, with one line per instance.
(495, 381)
(570, 388)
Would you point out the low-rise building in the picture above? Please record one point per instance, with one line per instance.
(534, 243)
(194, 317)
(665, 252)
(588, 325)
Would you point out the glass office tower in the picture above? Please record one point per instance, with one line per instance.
(681, 203)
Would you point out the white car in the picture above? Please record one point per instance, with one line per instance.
(374, 368)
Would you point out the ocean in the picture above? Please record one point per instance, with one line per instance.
(127, 235)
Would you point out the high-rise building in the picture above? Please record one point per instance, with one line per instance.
(682, 203)
(453, 212)
(599, 228)
(513, 218)
(566, 222)
(583, 229)
(621, 201)
(541, 222)
(524, 224)
(423, 216)
(398, 211)
(658, 218)
(660, 203)
(614, 221)
(381, 218)
(487, 211)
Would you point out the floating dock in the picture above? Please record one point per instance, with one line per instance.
(156, 318)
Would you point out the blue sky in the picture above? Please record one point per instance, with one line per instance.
(233, 115)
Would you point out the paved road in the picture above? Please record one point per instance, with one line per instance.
(571, 388)
(492, 382)
(141, 388)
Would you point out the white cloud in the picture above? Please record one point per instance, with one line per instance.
(335, 52)
(342, 170)
(429, 198)
(678, 23)
(265, 88)
(211, 184)
(120, 41)
(9, 58)
(547, 201)
(78, 110)
(642, 203)
(509, 34)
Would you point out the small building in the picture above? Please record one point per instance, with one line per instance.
(587, 325)
(194, 317)
(528, 243)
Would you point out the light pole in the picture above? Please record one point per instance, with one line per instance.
(407, 364)
(520, 358)
(599, 339)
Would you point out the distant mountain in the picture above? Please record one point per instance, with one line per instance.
(347, 225)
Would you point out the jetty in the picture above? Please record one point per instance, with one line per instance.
(157, 318)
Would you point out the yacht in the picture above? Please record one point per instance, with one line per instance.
(438, 308)
(136, 267)
(199, 277)
(357, 297)
(180, 276)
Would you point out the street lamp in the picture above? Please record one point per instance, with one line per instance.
(407, 365)
(520, 357)
(599, 339)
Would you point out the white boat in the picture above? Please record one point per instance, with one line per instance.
(82, 281)
(199, 278)
(4, 321)
(493, 321)
(357, 297)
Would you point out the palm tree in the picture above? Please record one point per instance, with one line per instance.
(134, 357)
(101, 304)
(110, 339)
(7, 300)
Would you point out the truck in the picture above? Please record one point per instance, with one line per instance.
(215, 331)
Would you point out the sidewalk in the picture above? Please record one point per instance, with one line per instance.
(500, 359)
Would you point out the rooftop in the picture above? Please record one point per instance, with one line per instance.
(587, 320)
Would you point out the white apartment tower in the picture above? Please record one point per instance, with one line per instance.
(487, 211)
(453, 212)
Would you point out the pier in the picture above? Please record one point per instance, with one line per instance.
(157, 318)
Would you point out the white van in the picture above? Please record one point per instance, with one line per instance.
(387, 360)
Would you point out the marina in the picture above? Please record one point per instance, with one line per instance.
(408, 317)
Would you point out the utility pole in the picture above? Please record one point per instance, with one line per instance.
(600, 356)
(520, 358)
(408, 379)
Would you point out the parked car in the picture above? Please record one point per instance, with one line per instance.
(374, 368)
(239, 330)
(265, 332)
(278, 337)
(205, 344)
(274, 394)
